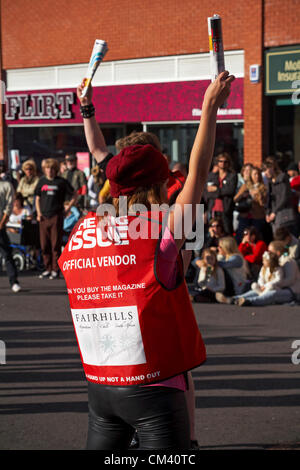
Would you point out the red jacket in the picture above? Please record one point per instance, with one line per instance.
(253, 252)
(175, 183)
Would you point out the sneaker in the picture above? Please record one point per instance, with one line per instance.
(53, 275)
(222, 299)
(44, 275)
(16, 287)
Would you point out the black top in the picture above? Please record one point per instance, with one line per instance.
(105, 162)
(53, 194)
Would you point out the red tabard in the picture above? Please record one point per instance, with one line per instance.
(130, 329)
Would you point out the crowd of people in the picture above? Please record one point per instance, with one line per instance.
(252, 235)
(250, 256)
(245, 213)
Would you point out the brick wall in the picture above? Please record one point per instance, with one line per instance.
(41, 33)
(281, 22)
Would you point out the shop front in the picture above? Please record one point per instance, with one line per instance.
(157, 95)
(282, 89)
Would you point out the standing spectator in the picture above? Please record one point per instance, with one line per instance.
(76, 178)
(62, 167)
(234, 265)
(220, 191)
(6, 204)
(280, 210)
(243, 202)
(258, 193)
(252, 249)
(28, 183)
(95, 183)
(7, 175)
(51, 193)
(294, 178)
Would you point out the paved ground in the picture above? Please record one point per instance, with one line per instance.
(247, 393)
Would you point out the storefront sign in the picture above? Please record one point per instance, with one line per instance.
(149, 102)
(39, 106)
(282, 70)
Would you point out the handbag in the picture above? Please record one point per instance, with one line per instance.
(285, 217)
(244, 205)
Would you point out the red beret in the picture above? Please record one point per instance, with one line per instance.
(136, 166)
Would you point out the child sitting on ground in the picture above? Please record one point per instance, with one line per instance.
(210, 280)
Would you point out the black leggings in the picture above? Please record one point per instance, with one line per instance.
(158, 413)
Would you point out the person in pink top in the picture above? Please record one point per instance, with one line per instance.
(159, 411)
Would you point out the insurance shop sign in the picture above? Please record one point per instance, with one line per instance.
(282, 69)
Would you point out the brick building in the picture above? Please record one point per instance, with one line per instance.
(153, 76)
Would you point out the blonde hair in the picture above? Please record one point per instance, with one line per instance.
(273, 263)
(229, 245)
(138, 138)
(244, 168)
(29, 164)
(50, 163)
(211, 253)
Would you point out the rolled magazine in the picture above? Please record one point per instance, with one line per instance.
(216, 49)
(99, 50)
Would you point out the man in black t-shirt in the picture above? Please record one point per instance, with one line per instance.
(51, 192)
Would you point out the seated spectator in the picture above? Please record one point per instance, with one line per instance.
(291, 243)
(234, 265)
(252, 249)
(28, 182)
(210, 278)
(19, 213)
(291, 278)
(285, 290)
(215, 233)
(267, 289)
(71, 217)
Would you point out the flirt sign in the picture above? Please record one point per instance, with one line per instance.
(39, 106)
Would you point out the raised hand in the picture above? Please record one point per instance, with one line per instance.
(88, 97)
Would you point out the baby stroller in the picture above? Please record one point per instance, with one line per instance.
(24, 241)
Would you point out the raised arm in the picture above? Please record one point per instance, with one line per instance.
(93, 134)
(200, 159)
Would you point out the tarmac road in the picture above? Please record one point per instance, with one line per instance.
(247, 392)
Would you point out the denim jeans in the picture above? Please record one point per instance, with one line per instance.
(280, 296)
